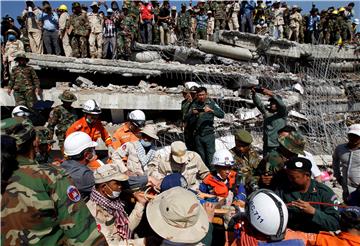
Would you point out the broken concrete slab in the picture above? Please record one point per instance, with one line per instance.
(236, 53)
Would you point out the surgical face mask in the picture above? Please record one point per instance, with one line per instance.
(145, 144)
(11, 37)
(114, 194)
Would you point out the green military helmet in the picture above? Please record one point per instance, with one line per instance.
(294, 142)
(243, 136)
(43, 133)
(67, 96)
(75, 4)
(19, 129)
(20, 55)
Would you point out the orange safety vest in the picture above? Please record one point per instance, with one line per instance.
(95, 131)
(123, 135)
(220, 188)
(343, 239)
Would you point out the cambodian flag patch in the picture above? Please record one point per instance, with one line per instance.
(73, 193)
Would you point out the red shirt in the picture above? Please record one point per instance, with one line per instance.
(146, 11)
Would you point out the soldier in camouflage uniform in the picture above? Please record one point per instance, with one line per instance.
(246, 158)
(24, 82)
(125, 35)
(219, 14)
(62, 116)
(344, 31)
(156, 28)
(45, 145)
(270, 170)
(184, 23)
(41, 205)
(134, 12)
(24, 37)
(78, 28)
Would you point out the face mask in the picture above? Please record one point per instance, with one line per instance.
(144, 143)
(114, 194)
(11, 37)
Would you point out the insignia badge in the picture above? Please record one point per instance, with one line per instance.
(299, 164)
(123, 147)
(73, 193)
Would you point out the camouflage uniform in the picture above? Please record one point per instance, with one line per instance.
(62, 117)
(96, 36)
(24, 37)
(41, 205)
(79, 27)
(184, 23)
(43, 134)
(219, 14)
(24, 81)
(125, 36)
(344, 31)
(245, 163)
(134, 12)
(156, 30)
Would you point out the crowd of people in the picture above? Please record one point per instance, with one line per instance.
(188, 193)
(88, 32)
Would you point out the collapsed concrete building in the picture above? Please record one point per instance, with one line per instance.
(319, 84)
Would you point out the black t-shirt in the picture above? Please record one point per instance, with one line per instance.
(163, 13)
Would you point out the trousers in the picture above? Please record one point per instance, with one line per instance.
(51, 41)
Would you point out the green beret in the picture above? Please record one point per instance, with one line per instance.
(243, 136)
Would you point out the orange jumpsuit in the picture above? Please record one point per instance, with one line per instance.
(123, 135)
(95, 131)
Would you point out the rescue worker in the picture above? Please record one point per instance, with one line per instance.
(108, 211)
(24, 82)
(78, 28)
(137, 155)
(210, 26)
(146, 20)
(274, 117)
(34, 27)
(245, 156)
(52, 211)
(201, 118)
(130, 130)
(295, 20)
(13, 46)
(96, 27)
(184, 24)
(180, 160)
(44, 145)
(64, 37)
(302, 196)
(91, 124)
(62, 117)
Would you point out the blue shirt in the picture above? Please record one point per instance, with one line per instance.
(313, 21)
(248, 7)
(201, 21)
(51, 22)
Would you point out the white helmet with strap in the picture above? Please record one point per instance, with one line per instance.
(223, 158)
(267, 213)
(137, 117)
(20, 111)
(91, 107)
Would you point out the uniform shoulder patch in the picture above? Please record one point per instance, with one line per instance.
(73, 193)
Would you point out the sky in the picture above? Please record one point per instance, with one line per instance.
(14, 8)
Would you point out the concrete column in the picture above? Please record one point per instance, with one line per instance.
(117, 116)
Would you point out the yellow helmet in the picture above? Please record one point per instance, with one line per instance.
(63, 7)
(335, 12)
(341, 9)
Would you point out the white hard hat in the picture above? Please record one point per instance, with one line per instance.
(76, 142)
(356, 21)
(91, 107)
(267, 213)
(173, 8)
(19, 111)
(137, 117)
(222, 157)
(189, 85)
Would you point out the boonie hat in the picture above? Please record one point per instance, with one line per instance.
(150, 131)
(109, 172)
(243, 136)
(177, 216)
(294, 142)
(178, 152)
(67, 96)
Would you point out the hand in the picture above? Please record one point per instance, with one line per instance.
(207, 109)
(194, 111)
(266, 179)
(38, 91)
(153, 182)
(210, 210)
(304, 206)
(267, 92)
(139, 196)
(9, 91)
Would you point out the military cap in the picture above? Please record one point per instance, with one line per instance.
(7, 124)
(75, 4)
(22, 131)
(124, 6)
(20, 55)
(299, 163)
(243, 136)
(67, 96)
(183, 5)
(43, 133)
(294, 142)
(11, 31)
